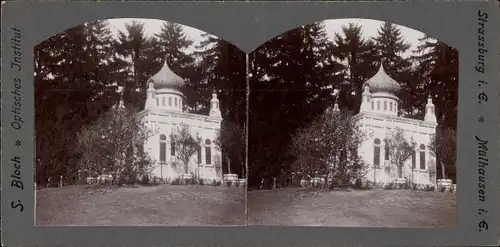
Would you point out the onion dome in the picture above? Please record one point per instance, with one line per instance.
(166, 79)
(381, 82)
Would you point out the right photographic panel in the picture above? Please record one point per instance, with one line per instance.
(352, 123)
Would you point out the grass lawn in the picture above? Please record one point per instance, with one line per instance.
(169, 205)
(358, 208)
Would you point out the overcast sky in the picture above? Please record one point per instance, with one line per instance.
(369, 28)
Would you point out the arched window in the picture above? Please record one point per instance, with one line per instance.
(390, 106)
(157, 101)
(378, 105)
(422, 157)
(175, 102)
(376, 152)
(172, 147)
(180, 103)
(169, 101)
(163, 147)
(208, 152)
(387, 150)
(373, 105)
(385, 105)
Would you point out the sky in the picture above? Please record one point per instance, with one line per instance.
(369, 29)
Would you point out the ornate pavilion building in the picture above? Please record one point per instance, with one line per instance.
(378, 116)
(164, 112)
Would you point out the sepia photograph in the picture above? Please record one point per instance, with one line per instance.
(352, 123)
(139, 122)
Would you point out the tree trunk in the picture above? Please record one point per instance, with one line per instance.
(228, 166)
(400, 172)
(186, 165)
(443, 173)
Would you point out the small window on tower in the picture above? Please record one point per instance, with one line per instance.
(169, 101)
(385, 105)
(390, 106)
(175, 102)
(373, 105)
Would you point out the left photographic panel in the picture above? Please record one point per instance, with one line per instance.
(139, 122)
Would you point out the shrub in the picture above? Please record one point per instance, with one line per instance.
(358, 183)
(405, 186)
(414, 186)
(201, 181)
(156, 181)
(237, 184)
(145, 179)
(176, 181)
(389, 186)
(451, 189)
(442, 189)
(229, 183)
(428, 187)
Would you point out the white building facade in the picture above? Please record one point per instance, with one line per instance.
(378, 117)
(164, 114)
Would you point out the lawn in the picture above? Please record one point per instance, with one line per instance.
(358, 208)
(169, 205)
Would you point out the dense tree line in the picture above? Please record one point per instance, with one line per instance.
(292, 76)
(78, 73)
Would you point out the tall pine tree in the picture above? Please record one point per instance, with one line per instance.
(222, 67)
(437, 73)
(288, 77)
(140, 52)
(358, 56)
(176, 48)
(74, 83)
(391, 47)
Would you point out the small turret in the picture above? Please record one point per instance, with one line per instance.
(214, 106)
(430, 114)
(366, 98)
(150, 98)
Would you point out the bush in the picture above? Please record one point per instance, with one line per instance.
(405, 186)
(414, 186)
(442, 189)
(358, 183)
(216, 183)
(390, 186)
(176, 181)
(428, 187)
(229, 183)
(451, 189)
(201, 181)
(145, 180)
(237, 184)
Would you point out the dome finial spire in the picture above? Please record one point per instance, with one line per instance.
(382, 61)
